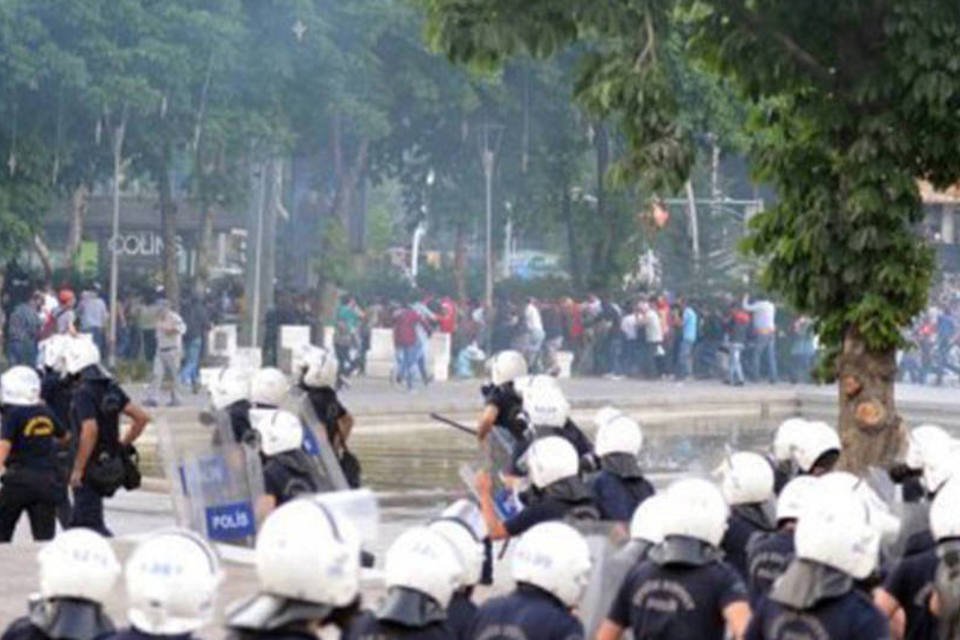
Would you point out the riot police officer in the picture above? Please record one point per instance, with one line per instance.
(747, 487)
(56, 392)
(98, 403)
(461, 524)
(421, 574)
(502, 404)
(684, 589)
(620, 486)
(78, 569)
(817, 596)
(551, 566)
(268, 390)
(769, 555)
(317, 371)
(288, 470)
(945, 524)
(543, 391)
(172, 580)
(30, 439)
(922, 442)
(557, 491)
(308, 569)
(229, 393)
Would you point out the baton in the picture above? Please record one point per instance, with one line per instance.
(453, 423)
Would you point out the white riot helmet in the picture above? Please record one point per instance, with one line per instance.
(268, 387)
(924, 441)
(172, 580)
(52, 352)
(619, 434)
(78, 563)
(466, 545)
(945, 512)
(940, 464)
(879, 515)
(525, 384)
(551, 459)
(694, 508)
(507, 366)
(554, 557)
(546, 406)
(308, 552)
(835, 531)
(319, 368)
(814, 440)
(20, 386)
(645, 524)
(786, 438)
(794, 497)
(422, 560)
(747, 478)
(80, 353)
(279, 431)
(605, 414)
(230, 386)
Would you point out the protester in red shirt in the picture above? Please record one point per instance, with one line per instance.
(405, 322)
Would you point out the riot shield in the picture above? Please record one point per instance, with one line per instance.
(496, 458)
(318, 445)
(612, 560)
(215, 483)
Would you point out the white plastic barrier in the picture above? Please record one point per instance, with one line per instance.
(438, 356)
(247, 358)
(292, 337)
(565, 362)
(381, 358)
(222, 340)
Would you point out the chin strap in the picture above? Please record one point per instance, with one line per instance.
(70, 619)
(410, 609)
(806, 583)
(622, 465)
(265, 612)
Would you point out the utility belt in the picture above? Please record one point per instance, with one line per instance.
(107, 472)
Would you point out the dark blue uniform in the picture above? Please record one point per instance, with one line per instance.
(239, 414)
(744, 522)
(673, 601)
(616, 497)
(57, 395)
(288, 475)
(768, 558)
(529, 613)
(565, 499)
(461, 613)
(367, 627)
(279, 634)
(33, 481)
(135, 634)
(849, 617)
(509, 408)
(100, 399)
(910, 582)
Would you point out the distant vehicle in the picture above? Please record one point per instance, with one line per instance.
(532, 265)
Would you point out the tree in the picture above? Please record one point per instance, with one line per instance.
(857, 102)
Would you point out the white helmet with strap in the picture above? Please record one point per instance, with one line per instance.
(80, 353)
(20, 386)
(280, 431)
(645, 524)
(269, 387)
(231, 385)
(835, 530)
(813, 441)
(786, 437)
(546, 406)
(507, 366)
(78, 563)
(694, 508)
(945, 511)
(172, 581)
(554, 557)
(317, 367)
(923, 442)
(794, 497)
(619, 434)
(747, 478)
(551, 459)
(422, 560)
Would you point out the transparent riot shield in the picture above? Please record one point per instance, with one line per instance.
(318, 445)
(611, 560)
(496, 458)
(215, 483)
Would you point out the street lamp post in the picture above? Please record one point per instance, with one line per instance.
(490, 140)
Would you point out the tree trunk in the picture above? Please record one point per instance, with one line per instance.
(460, 262)
(567, 209)
(347, 184)
(78, 213)
(168, 226)
(871, 431)
(43, 252)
